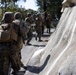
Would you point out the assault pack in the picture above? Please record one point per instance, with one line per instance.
(7, 33)
(23, 28)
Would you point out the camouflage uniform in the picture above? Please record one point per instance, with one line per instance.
(8, 54)
(48, 23)
(29, 34)
(21, 39)
(43, 26)
(39, 26)
(9, 50)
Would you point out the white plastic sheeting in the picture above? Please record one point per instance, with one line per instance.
(61, 46)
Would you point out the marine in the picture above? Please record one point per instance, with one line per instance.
(29, 21)
(8, 50)
(38, 22)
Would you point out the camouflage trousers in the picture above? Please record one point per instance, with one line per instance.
(39, 32)
(9, 55)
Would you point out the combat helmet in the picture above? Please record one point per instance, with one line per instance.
(8, 17)
(17, 15)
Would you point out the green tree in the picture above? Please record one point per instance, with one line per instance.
(52, 7)
(5, 3)
(10, 5)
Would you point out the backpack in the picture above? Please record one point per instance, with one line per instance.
(23, 28)
(23, 31)
(7, 33)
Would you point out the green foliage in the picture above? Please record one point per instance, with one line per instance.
(10, 5)
(52, 7)
(0, 14)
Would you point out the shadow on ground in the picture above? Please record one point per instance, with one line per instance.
(37, 70)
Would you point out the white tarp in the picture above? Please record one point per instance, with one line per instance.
(61, 46)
